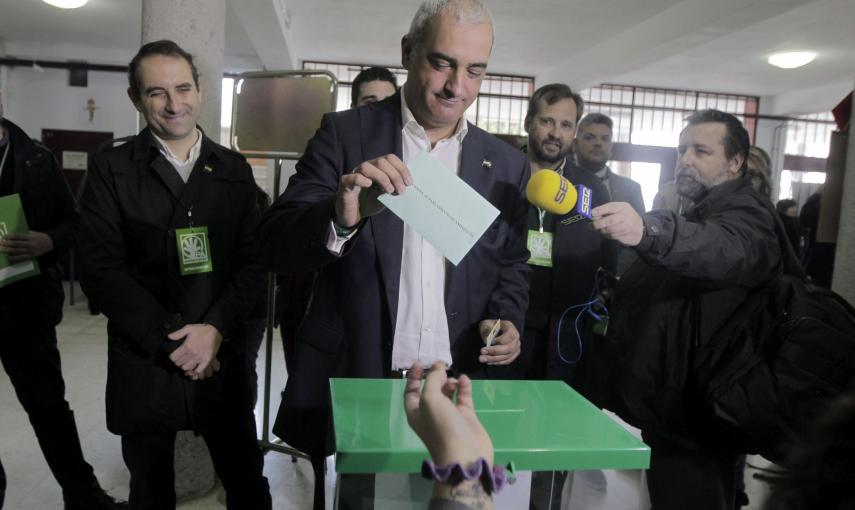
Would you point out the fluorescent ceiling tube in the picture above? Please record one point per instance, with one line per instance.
(791, 59)
(66, 4)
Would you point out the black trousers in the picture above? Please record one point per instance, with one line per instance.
(680, 478)
(234, 450)
(31, 359)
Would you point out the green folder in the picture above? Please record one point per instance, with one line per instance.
(13, 221)
(539, 425)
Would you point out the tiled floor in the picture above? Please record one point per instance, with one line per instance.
(82, 340)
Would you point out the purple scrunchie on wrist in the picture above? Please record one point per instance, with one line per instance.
(491, 479)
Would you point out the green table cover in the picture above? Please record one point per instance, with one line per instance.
(539, 425)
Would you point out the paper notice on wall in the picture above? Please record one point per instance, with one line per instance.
(74, 160)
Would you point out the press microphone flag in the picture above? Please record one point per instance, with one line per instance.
(550, 191)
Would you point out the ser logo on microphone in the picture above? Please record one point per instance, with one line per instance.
(563, 186)
(584, 207)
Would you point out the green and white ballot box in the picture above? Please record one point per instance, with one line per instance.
(537, 425)
(13, 221)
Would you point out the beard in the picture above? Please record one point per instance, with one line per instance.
(541, 156)
(690, 187)
(695, 187)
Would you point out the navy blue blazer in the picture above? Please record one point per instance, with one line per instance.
(349, 327)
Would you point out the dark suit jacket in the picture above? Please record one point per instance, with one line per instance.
(349, 326)
(624, 189)
(133, 202)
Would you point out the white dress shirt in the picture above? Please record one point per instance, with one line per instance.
(421, 326)
(182, 167)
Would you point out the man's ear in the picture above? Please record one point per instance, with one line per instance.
(406, 50)
(736, 164)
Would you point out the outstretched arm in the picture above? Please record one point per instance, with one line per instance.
(451, 432)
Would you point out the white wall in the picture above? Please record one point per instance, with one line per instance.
(812, 100)
(115, 55)
(43, 99)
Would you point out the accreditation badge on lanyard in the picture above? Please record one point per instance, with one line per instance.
(194, 250)
(539, 242)
(540, 245)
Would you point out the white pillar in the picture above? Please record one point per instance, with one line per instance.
(843, 281)
(198, 26)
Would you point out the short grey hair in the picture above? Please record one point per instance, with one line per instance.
(463, 11)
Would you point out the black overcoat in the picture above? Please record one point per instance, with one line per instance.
(133, 202)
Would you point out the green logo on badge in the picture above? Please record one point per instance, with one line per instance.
(540, 246)
(194, 250)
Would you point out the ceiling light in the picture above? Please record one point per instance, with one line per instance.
(791, 59)
(66, 4)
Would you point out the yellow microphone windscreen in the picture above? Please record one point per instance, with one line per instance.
(548, 190)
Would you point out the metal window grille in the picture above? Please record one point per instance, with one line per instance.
(810, 135)
(807, 137)
(655, 116)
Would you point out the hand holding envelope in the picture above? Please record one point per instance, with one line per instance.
(358, 191)
(442, 207)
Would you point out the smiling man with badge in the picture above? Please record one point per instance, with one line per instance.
(168, 249)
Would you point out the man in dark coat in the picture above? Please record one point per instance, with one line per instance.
(31, 308)
(168, 250)
(593, 147)
(694, 271)
(384, 296)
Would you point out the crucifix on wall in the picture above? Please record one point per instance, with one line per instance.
(90, 107)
